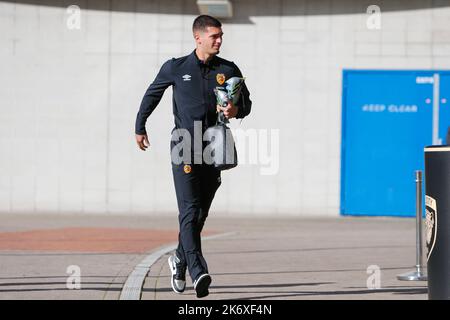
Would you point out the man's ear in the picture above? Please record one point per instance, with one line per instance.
(197, 37)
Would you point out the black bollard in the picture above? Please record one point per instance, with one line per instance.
(437, 204)
(448, 136)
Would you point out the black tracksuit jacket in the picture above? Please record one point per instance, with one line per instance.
(193, 85)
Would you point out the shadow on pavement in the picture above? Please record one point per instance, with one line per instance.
(328, 293)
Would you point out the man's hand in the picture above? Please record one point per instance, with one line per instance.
(230, 111)
(142, 141)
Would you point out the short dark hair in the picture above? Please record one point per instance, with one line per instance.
(204, 21)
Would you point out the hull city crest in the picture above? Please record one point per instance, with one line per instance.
(220, 77)
(430, 224)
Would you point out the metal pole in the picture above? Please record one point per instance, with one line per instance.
(419, 220)
(418, 274)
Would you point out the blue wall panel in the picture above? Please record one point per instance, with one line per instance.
(387, 120)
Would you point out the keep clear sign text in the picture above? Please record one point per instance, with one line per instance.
(393, 108)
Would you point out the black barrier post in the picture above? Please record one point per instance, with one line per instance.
(437, 204)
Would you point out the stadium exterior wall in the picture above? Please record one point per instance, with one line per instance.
(69, 98)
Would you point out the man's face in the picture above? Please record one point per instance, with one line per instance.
(209, 41)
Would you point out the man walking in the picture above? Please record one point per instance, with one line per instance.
(193, 79)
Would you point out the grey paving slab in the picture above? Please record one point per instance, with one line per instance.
(44, 274)
(304, 259)
(265, 258)
(25, 275)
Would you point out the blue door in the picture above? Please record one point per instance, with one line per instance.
(387, 120)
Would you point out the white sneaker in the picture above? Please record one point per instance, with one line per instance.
(178, 279)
